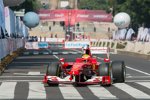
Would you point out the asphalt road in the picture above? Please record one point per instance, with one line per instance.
(23, 78)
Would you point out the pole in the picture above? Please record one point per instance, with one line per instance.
(76, 4)
(69, 14)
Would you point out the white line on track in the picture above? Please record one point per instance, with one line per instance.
(69, 92)
(145, 84)
(33, 73)
(36, 91)
(26, 76)
(138, 77)
(74, 52)
(7, 90)
(101, 92)
(56, 56)
(21, 81)
(64, 52)
(137, 70)
(132, 91)
(131, 81)
(55, 53)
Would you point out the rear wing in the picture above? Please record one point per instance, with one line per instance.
(100, 50)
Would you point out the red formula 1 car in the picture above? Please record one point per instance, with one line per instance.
(85, 70)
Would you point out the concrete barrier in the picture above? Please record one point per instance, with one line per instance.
(129, 46)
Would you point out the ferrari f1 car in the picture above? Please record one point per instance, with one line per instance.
(85, 70)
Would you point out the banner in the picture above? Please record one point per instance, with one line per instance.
(76, 44)
(53, 15)
(2, 16)
(36, 45)
(72, 16)
(99, 50)
(42, 44)
(31, 45)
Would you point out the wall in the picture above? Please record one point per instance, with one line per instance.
(7, 46)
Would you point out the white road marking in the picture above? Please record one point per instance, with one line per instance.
(69, 92)
(33, 73)
(7, 90)
(36, 91)
(20, 80)
(137, 70)
(128, 74)
(101, 92)
(132, 91)
(55, 53)
(65, 53)
(74, 52)
(145, 84)
(27, 76)
(56, 56)
(138, 77)
(138, 80)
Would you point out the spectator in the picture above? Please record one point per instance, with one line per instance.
(49, 28)
(55, 35)
(94, 29)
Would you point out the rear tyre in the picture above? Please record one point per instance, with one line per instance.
(53, 70)
(119, 72)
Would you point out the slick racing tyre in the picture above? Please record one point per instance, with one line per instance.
(53, 69)
(119, 72)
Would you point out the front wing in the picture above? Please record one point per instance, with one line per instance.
(103, 80)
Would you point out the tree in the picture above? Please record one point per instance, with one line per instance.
(94, 4)
(29, 5)
(139, 11)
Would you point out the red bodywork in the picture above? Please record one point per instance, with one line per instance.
(73, 69)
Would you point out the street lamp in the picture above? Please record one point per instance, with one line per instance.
(69, 19)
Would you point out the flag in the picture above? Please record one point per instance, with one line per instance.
(144, 34)
(129, 34)
(140, 32)
(2, 16)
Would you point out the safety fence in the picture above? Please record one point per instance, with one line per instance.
(130, 46)
(7, 46)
